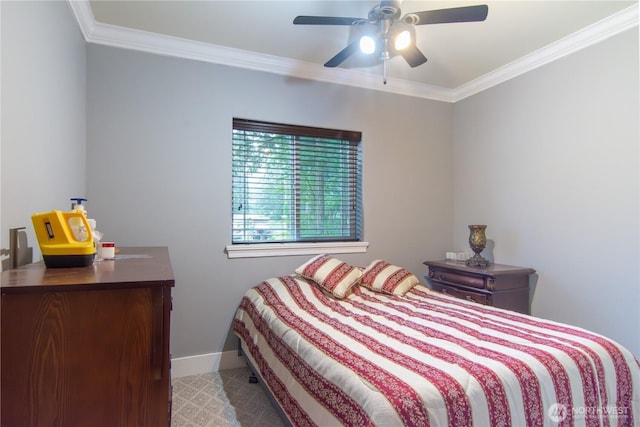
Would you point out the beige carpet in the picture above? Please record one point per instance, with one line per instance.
(221, 399)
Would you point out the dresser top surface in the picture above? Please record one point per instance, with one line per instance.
(133, 266)
(491, 270)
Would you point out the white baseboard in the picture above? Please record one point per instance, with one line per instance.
(203, 363)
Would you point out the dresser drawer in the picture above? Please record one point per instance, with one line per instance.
(458, 278)
(462, 293)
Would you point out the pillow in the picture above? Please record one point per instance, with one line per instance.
(330, 274)
(380, 276)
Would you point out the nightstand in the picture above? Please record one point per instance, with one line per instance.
(498, 285)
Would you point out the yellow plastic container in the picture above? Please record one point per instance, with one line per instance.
(65, 238)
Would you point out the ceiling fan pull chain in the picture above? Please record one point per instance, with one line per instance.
(384, 71)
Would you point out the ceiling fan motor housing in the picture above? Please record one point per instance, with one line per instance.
(384, 12)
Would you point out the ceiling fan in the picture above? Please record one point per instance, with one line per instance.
(384, 34)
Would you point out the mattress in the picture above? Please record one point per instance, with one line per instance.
(428, 359)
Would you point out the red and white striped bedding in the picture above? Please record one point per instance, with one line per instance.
(427, 359)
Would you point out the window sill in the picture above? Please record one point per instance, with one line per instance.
(284, 249)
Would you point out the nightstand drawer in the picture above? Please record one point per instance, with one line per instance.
(498, 285)
(459, 278)
(462, 293)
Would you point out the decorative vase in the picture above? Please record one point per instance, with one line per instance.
(477, 241)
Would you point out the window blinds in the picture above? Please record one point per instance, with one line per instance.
(293, 183)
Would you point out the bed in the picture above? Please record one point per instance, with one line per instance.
(415, 357)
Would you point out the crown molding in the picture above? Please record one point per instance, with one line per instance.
(595, 33)
(127, 38)
(84, 16)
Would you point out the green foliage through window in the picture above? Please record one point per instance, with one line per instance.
(293, 183)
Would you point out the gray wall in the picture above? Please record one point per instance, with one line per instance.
(43, 113)
(549, 161)
(159, 173)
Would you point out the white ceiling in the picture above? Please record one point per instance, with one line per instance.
(516, 36)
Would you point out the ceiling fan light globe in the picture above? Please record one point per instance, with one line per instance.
(403, 40)
(367, 45)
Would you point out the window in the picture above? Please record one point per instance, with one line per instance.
(295, 184)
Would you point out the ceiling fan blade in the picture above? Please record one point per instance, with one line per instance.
(325, 20)
(456, 14)
(413, 56)
(343, 55)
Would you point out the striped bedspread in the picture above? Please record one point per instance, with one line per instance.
(427, 359)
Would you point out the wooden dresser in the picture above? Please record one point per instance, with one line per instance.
(87, 346)
(502, 286)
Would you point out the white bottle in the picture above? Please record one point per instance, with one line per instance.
(77, 226)
(108, 250)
